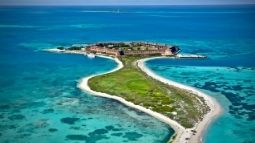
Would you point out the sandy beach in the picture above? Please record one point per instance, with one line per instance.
(200, 128)
(183, 135)
(84, 86)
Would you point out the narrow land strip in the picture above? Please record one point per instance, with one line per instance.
(187, 110)
(182, 134)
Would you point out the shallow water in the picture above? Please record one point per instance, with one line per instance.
(42, 100)
(232, 86)
(38, 90)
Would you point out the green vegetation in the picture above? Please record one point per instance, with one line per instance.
(61, 48)
(75, 48)
(135, 86)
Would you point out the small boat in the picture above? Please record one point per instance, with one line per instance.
(90, 55)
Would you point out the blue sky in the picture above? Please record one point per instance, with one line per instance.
(123, 2)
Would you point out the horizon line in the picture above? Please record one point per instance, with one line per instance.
(233, 4)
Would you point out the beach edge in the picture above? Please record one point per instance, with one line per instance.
(181, 133)
(202, 126)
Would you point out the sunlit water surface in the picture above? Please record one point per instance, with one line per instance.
(39, 98)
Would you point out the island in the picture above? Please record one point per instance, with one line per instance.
(187, 110)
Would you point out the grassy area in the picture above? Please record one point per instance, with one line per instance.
(135, 86)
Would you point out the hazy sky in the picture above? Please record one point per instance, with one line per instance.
(123, 2)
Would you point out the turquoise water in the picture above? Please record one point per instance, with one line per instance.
(39, 97)
(42, 101)
(229, 80)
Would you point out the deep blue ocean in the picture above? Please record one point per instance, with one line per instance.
(39, 98)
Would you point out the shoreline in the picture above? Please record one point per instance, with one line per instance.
(83, 84)
(181, 133)
(201, 127)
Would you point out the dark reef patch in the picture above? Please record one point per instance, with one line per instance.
(117, 129)
(239, 108)
(237, 87)
(248, 106)
(133, 136)
(5, 107)
(96, 135)
(69, 120)
(252, 129)
(53, 130)
(77, 137)
(117, 134)
(232, 97)
(75, 128)
(247, 81)
(16, 117)
(98, 132)
(95, 138)
(197, 85)
(212, 86)
(6, 127)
